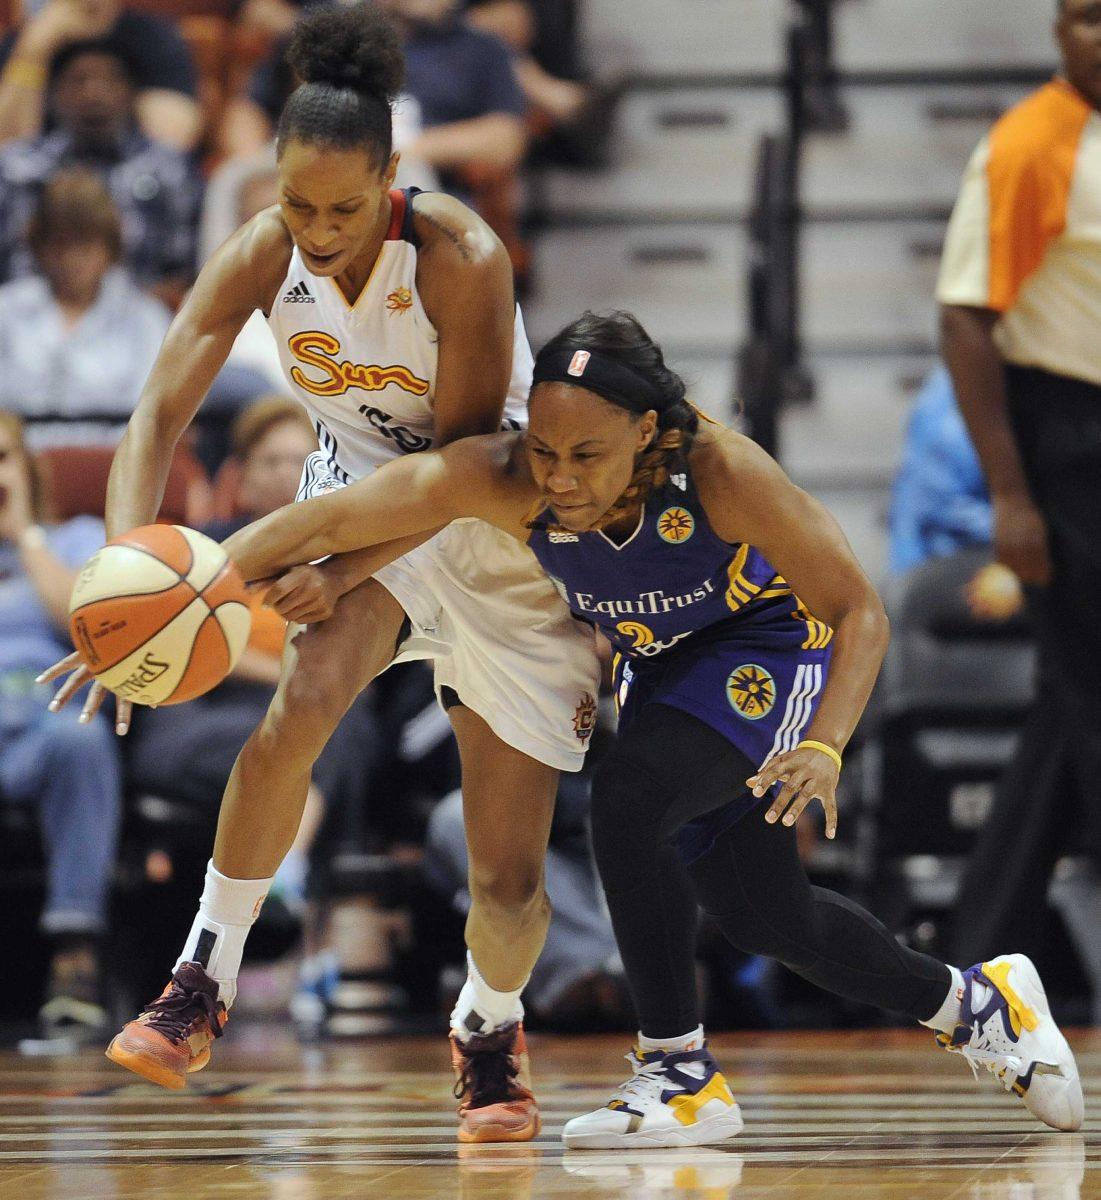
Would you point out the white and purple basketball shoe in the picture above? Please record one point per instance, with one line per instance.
(674, 1099)
(1006, 1026)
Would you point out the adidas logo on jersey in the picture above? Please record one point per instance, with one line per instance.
(557, 538)
(299, 294)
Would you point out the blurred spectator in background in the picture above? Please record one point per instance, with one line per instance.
(942, 521)
(237, 190)
(939, 501)
(93, 100)
(571, 116)
(1020, 290)
(463, 79)
(271, 18)
(68, 772)
(536, 32)
(161, 71)
(77, 340)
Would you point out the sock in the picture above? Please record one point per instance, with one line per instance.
(480, 1009)
(687, 1041)
(227, 910)
(947, 1017)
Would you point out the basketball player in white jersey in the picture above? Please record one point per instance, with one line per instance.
(397, 329)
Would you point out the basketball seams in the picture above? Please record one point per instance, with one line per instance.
(211, 615)
(107, 666)
(157, 559)
(169, 699)
(159, 592)
(190, 549)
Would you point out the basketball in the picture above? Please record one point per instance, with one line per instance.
(159, 615)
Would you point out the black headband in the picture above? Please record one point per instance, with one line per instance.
(600, 373)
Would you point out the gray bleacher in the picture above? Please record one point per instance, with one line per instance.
(669, 41)
(663, 231)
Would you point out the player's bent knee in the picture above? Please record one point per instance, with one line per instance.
(517, 892)
(312, 700)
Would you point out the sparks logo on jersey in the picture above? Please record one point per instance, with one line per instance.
(751, 691)
(400, 300)
(318, 349)
(676, 525)
(584, 719)
(299, 294)
(642, 635)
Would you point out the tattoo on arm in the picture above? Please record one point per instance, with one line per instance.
(451, 234)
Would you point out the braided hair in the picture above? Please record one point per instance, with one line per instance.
(621, 336)
(351, 65)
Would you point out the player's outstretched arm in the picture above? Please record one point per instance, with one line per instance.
(398, 506)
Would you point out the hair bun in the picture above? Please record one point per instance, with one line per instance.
(354, 48)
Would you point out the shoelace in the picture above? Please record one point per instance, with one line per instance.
(1004, 1067)
(488, 1077)
(173, 1013)
(647, 1081)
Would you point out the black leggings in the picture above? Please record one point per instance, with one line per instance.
(669, 768)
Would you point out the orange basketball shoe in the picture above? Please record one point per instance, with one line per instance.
(172, 1036)
(493, 1086)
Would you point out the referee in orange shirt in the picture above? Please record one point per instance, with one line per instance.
(1020, 294)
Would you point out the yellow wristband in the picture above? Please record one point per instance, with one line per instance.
(823, 747)
(25, 73)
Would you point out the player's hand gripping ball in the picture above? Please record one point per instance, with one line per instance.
(159, 615)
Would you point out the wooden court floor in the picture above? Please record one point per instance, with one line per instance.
(848, 1116)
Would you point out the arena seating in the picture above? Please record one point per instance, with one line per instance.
(78, 483)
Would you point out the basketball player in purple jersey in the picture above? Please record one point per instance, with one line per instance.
(397, 328)
(748, 641)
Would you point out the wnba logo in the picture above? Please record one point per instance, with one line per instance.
(578, 363)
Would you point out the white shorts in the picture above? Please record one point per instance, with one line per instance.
(498, 633)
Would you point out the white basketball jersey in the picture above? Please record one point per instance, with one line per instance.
(366, 372)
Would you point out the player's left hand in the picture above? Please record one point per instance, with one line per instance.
(304, 594)
(806, 774)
